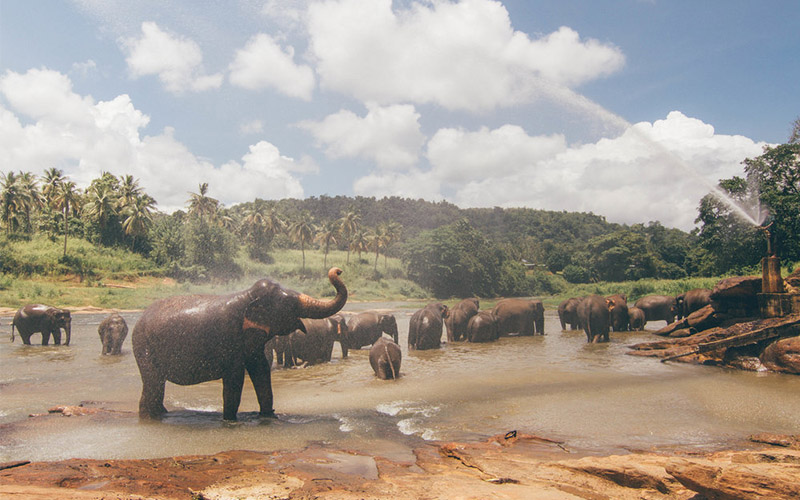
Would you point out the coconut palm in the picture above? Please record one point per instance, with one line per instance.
(349, 223)
(359, 242)
(129, 192)
(51, 182)
(301, 231)
(101, 206)
(30, 196)
(326, 236)
(10, 201)
(65, 199)
(376, 240)
(138, 215)
(392, 232)
(201, 205)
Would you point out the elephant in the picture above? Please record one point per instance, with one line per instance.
(635, 318)
(456, 321)
(367, 327)
(196, 338)
(482, 327)
(595, 316)
(48, 320)
(113, 331)
(691, 301)
(568, 313)
(619, 313)
(283, 345)
(658, 307)
(425, 327)
(385, 357)
(314, 344)
(521, 316)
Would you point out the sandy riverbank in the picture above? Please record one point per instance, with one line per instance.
(511, 466)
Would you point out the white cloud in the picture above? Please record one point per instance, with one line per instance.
(655, 171)
(262, 63)
(463, 55)
(390, 136)
(84, 138)
(178, 61)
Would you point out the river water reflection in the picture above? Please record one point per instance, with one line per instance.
(591, 396)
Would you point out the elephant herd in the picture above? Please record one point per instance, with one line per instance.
(597, 315)
(198, 338)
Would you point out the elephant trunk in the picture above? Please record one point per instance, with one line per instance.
(318, 309)
(68, 330)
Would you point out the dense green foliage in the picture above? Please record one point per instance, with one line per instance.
(450, 252)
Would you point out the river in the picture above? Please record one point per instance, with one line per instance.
(591, 396)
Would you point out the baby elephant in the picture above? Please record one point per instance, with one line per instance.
(113, 331)
(385, 357)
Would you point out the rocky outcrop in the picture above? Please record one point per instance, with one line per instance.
(508, 466)
(782, 356)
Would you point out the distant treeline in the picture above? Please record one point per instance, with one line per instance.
(449, 250)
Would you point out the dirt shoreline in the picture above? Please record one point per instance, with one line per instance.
(511, 466)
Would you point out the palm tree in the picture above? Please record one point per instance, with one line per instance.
(65, 199)
(349, 224)
(273, 224)
(301, 231)
(138, 217)
(359, 242)
(376, 240)
(101, 206)
(129, 192)
(51, 181)
(392, 232)
(31, 198)
(326, 237)
(10, 201)
(202, 205)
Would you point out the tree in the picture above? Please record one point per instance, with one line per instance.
(102, 208)
(376, 240)
(794, 137)
(776, 176)
(350, 222)
(138, 213)
(729, 242)
(10, 202)
(358, 242)
(65, 198)
(202, 206)
(326, 236)
(302, 231)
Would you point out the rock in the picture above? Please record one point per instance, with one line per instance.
(793, 280)
(783, 355)
(741, 475)
(736, 287)
(786, 441)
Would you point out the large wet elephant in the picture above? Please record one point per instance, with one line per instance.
(635, 318)
(456, 321)
(568, 313)
(196, 338)
(658, 307)
(315, 344)
(619, 312)
(112, 331)
(521, 316)
(425, 327)
(595, 316)
(482, 327)
(367, 327)
(35, 318)
(691, 301)
(385, 358)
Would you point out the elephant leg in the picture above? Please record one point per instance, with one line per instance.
(57, 336)
(262, 383)
(151, 404)
(45, 337)
(232, 384)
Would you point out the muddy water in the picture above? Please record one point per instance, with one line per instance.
(591, 396)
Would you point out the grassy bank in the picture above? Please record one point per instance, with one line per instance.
(118, 279)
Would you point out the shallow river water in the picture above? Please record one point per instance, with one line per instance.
(592, 396)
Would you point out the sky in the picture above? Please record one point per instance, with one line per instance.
(630, 109)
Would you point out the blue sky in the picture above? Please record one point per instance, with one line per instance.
(630, 109)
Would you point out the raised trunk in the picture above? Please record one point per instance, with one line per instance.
(318, 309)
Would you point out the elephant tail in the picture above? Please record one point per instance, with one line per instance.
(389, 361)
